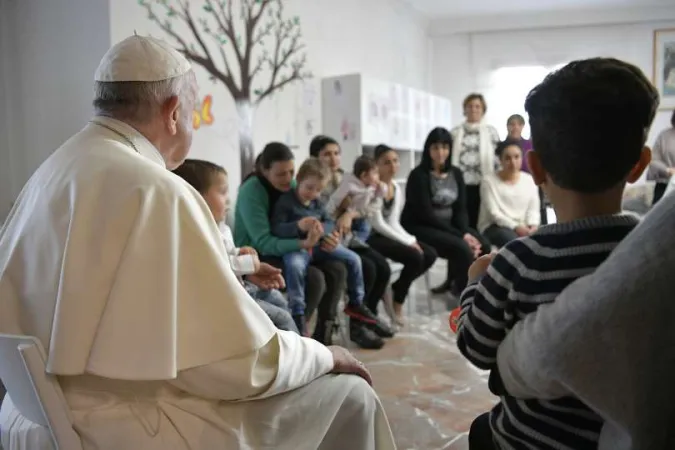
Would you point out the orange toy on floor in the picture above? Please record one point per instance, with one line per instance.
(454, 317)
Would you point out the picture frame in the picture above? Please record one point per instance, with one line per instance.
(663, 75)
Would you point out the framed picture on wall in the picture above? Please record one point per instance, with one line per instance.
(664, 66)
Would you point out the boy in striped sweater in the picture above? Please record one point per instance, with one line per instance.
(589, 125)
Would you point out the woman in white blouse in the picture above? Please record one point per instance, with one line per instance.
(509, 199)
(473, 152)
(389, 238)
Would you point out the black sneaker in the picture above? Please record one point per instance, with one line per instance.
(363, 337)
(381, 329)
(360, 313)
(442, 289)
(323, 332)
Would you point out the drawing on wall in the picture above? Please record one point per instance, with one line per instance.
(239, 35)
(664, 66)
(202, 113)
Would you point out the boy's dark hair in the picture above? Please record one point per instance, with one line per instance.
(590, 121)
(517, 117)
(380, 150)
(499, 151)
(363, 164)
(672, 119)
(475, 96)
(438, 135)
(312, 167)
(319, 143)
(199, 174)
(272, 153)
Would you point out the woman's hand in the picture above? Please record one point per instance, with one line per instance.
(344, 223)
(416, 246)
(330, 242)
(522, 230)
(247, 251)
(533, 228)
(267, 277)
(473, 243)
(306, 223)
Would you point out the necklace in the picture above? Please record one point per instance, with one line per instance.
(120, 134)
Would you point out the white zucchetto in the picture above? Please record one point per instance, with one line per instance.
(140, 58)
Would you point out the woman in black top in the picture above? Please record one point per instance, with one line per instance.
(435, 210)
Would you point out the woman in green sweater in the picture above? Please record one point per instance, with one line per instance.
(326, 281)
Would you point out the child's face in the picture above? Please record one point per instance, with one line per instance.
(370, 178)
(310, 188)
(218, 197)
(515, 128)
(330, 156)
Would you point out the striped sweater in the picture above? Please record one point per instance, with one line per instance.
(524, 274)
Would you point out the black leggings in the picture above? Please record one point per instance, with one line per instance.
(499, 236)
(473, 204)
(454, 249)
(324, 286)
(659, 190)
(376, 275)
(414, 262)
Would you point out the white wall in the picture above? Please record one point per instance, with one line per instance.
(384, 39)
(49, 51)
(462, 63)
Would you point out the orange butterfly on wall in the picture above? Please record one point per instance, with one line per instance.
(202, 114)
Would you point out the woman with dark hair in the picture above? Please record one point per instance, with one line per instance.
(435, 210)
(473, 152)
(376, 270)
(325, 281)
(509, 199)
(662, 167)
(390, 239)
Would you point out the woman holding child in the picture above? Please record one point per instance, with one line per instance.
(376, 270)
(389, 238)
(256, 198)
(435, 211)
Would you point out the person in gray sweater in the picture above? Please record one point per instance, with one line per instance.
(608, 339)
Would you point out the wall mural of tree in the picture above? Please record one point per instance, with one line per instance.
(245, 34)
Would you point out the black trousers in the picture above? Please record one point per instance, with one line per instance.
(453, 248)
(499, 236)
(324, 287)
(659, 190)
(480, 434)
(414, 262)
(473, 204)
(376, 275)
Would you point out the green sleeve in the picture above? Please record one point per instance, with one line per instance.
(253, 205)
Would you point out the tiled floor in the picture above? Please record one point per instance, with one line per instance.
(430, 392)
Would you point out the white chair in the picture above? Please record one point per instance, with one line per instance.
(35, 394)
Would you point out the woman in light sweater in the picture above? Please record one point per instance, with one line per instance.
(662, 167)
(389, 238)
(473, 151)
(509, 199)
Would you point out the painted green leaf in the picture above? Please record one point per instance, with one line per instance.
(207, 8)
(296, 20)
(257, 91)
(171, 12)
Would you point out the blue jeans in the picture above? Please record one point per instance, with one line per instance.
(295, 269)
(361, 229)
(274, 304)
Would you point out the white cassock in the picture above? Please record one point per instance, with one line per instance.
(118, 267)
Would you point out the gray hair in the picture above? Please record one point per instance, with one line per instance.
(138, 101)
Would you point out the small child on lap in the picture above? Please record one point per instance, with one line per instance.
(357, 194)
(211, 182)
(298, 209)
(589, 124)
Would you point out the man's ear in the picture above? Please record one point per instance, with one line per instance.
(537, 171)
(170, 114)
(641, 165)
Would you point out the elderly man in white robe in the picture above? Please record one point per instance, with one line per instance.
(118, 268)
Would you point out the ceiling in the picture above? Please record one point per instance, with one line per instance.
(461, 8)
